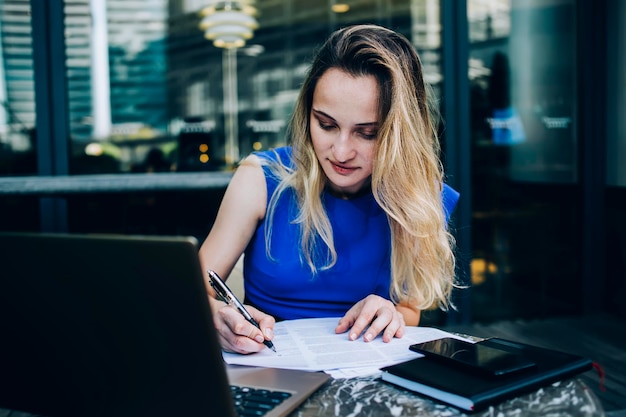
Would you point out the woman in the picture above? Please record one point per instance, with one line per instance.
(349, 221)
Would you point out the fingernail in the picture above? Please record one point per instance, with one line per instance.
(259, 339)
(352, 336)
(368, 337)
(269, 333)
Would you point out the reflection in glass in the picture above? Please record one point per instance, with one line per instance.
(18, 139)
(524, 159)
(142, 76)
(117, 78)
(616, 144)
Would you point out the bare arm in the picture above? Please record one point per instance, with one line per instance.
(411, 315)
(242, 207)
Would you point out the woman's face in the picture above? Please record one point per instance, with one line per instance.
(344, 127)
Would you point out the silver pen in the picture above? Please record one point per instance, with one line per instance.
(226, 295)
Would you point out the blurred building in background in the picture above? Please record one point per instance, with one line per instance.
(531, 95)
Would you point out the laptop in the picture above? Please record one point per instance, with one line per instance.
(107, 325)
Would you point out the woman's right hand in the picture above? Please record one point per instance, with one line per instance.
(236, 334)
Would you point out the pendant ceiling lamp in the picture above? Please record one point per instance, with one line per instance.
(229, 24)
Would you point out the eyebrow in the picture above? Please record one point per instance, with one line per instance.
(366, 124)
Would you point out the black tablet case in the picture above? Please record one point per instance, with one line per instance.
(473, 392)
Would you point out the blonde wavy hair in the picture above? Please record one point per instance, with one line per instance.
(407, 173)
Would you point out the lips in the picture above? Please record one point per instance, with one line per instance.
(341, 169)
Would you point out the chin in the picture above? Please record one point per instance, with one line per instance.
(342, 187)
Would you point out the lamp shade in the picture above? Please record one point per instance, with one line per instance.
(229, 24)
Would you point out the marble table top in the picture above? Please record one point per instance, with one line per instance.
(370, 396)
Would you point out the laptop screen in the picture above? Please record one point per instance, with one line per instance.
(97, 325)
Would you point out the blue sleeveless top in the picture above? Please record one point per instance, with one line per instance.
(285, 287)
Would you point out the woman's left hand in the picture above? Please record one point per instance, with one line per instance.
(372, 315)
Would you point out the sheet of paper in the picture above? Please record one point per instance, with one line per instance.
(311, 344)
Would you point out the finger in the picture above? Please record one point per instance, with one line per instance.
(395, 328)
(237, 334)
(243, 327)
(239, 344)
(362, 322)
(266, 322)
(348, 320)
(384, 319)
(345, 322)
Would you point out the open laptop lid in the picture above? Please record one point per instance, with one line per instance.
(96, 325)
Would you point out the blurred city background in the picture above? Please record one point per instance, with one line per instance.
(531, 93)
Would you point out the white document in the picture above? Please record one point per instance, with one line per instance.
(312, 345)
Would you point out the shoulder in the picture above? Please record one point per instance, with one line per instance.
(265, 169)
(281, 155)
(277, 166)
(247, 187)
(250, 168)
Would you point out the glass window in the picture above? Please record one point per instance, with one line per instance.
(149, 92)
(525, 235)
(17, 92)
(615, 289)
(117, 85)
(522, 69)
(18, 156)
(616, 143)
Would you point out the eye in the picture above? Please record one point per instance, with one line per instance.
(325, 126)
(369, 135)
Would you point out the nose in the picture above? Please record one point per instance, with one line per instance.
(343, 148)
